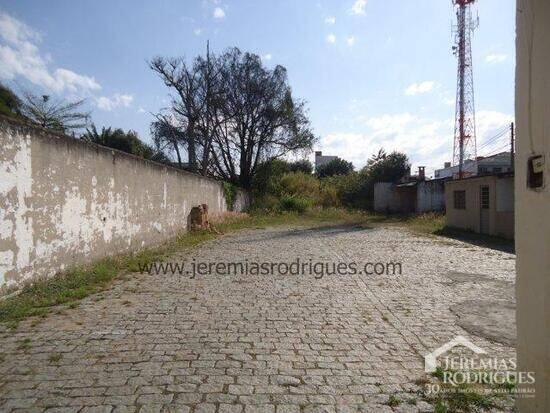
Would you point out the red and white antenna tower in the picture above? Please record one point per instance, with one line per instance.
(465, 123)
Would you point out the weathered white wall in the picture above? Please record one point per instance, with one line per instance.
(430, 196)
(505, 195)
(533, 206)
(64, 202)
(385, 197)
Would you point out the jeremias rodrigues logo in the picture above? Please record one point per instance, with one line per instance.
(478, 368)
(430, 360)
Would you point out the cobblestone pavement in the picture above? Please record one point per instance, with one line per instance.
(271, 343)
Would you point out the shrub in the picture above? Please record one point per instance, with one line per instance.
(295, 203)
(299, 183)
(230, 192)
(329, 196)
(335, 167)
(266, 202)
(302, 165)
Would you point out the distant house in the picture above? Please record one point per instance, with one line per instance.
(412, 195)
(483, 204)
(321, 159)
(501, 162)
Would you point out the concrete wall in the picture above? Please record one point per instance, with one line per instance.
(501, 223)
(533, 206)
(385, 197)
(426, 196)
(64, 202)
(430, 196)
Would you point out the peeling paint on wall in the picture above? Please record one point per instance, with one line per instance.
(64, 202)
(15, 194)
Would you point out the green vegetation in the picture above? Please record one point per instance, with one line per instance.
(55, 358)
(429, 223)
(335, 167)
(10, 104)
(128, 142)
(230, 192)
(282, 186)
(466, 397)
(393, 401)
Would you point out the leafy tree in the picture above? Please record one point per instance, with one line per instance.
(128, 142)
(337, 166)
(10, 104)
(302, 165)
(55, 114)
(387, 168)
(236, 113)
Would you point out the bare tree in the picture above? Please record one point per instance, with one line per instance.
(55, 114)
(188, 103)
(237, 113)
(168, 136)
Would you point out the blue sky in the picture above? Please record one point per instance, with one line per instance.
(375, 73)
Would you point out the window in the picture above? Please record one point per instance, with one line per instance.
(484, 197)
(497, 170)
(459, 199)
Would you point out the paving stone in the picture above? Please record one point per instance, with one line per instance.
(248, 343)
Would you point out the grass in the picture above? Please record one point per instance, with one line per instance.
(435, 224)
(464, 398)
(393, 401)
(55, 358)
(39, 298)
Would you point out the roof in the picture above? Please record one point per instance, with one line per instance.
(499, 175)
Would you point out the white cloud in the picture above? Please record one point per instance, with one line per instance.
(426, 141)
(419, 88)
(330, 20)
(141, 110)
(350, 40)
(197, 31)
(20, 56)
(358, 7)
(449, 101)
(488, 123)
(115, 101)
(219, 13)
(267, 56)
(331, 38)
(496, 58)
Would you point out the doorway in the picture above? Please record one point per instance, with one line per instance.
(484, 204)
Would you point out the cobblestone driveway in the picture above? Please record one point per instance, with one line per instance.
(258, 344)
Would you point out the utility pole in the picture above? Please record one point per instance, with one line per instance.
(465, 127)
(512, 149)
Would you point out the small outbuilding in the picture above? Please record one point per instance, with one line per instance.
(416, 196)
(483, 204)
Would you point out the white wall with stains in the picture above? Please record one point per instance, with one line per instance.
(64, 202)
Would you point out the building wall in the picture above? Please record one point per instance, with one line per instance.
(385, 197)
(64, 202)
(533, 206)
(501, 218)
(430, 196)
(321, 159)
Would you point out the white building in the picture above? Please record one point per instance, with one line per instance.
(501, 162)
(321, 159)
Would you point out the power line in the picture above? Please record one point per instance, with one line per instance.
(496, 137)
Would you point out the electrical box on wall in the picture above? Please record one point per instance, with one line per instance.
(535, 172)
